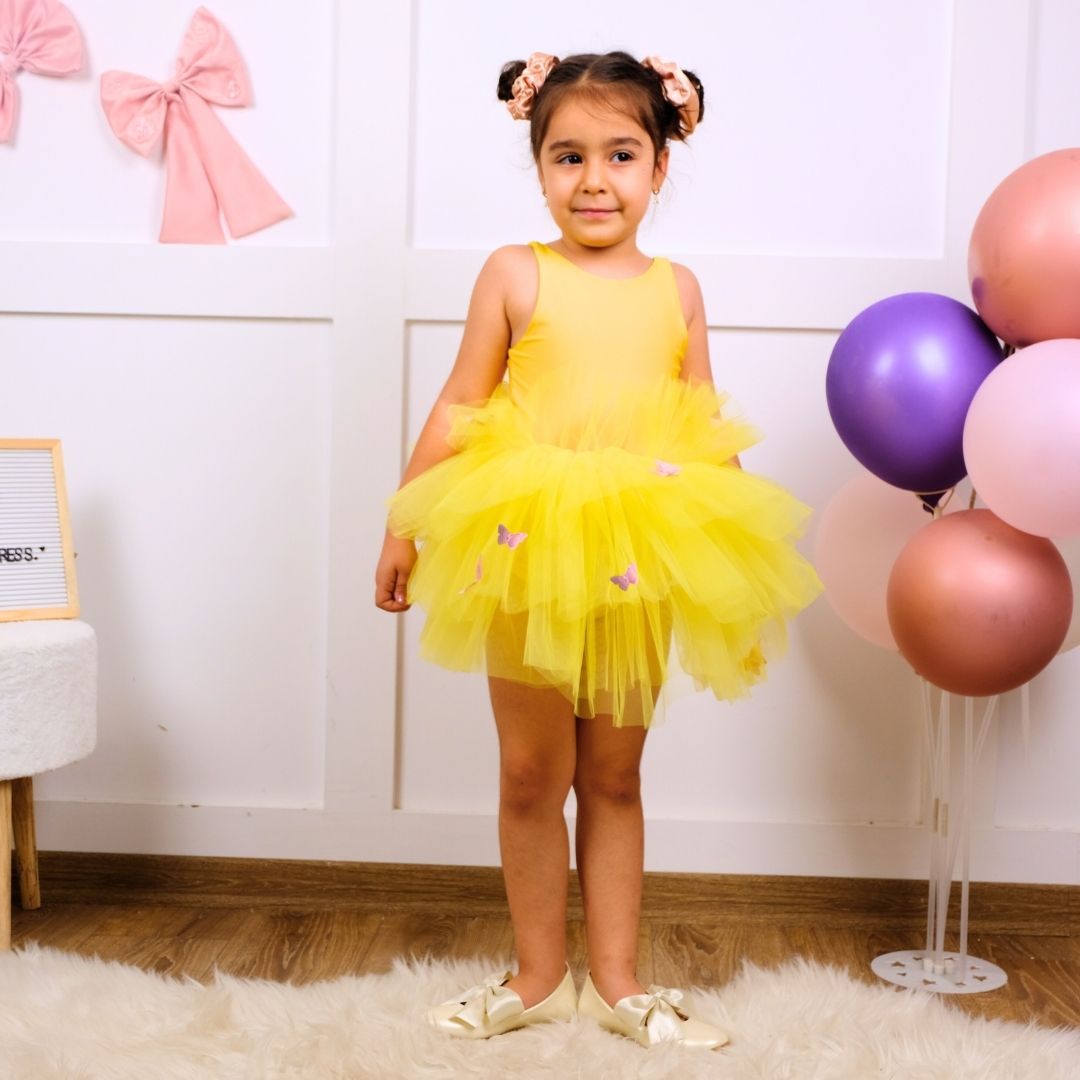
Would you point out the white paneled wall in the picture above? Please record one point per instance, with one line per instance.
(233, 418)
(197, 458)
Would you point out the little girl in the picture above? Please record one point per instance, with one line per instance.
(577, 515)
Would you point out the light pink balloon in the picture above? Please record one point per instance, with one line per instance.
(860, 533)
(1022, 439)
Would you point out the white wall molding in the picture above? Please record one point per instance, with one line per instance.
(366, 423)
(231, 281)
(741, 291)
(826, 849)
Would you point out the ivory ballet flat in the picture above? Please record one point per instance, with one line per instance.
(649, 1018)
(490, 1008)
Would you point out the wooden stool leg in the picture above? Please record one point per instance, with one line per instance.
(22, 817)
(5, 864)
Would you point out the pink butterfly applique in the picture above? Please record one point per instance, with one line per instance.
(665, 468)
(479, 574)
(510, 539)
(624, 581)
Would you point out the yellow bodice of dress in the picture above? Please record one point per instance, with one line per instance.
(591, 343)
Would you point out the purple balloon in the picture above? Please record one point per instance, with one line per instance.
(900, 380)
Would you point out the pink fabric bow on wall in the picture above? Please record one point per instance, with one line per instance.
(41, 36)
(205, 169)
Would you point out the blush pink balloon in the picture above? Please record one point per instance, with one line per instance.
(977, 606)
(1022, 439)
(860, 533)
(1024, 256)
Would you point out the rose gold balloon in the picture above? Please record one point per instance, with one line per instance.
(976, 606)
(1024, 256)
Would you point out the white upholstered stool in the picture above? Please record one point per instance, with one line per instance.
(48, 718)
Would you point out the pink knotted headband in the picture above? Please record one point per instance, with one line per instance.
(206, 171)
(40, 36)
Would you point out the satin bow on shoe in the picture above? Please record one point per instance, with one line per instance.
(657, 1013)
(40, 36)
(493, 1008)
(205, 169)
(487, 1004)
(651, 1018)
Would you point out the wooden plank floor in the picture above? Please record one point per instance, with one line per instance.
(305, 946)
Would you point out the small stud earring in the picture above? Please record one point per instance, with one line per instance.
(656, 196)
(544, 193)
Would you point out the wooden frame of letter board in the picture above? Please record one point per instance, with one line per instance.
(71, 611)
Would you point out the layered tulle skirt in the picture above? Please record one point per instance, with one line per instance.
(570, 553)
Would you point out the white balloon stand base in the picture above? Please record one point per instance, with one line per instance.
(917, 970)
(933, 969)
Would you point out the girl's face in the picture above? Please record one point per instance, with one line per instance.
(598, 169)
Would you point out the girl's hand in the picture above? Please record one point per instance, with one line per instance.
(392, 574)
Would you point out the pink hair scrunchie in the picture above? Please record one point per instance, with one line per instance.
(527, 84)
(678, 89)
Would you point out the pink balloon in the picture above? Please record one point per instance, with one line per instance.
(1024, 257)
(860, 533)
(1022, 439)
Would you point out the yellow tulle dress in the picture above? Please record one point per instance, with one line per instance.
(591, 513)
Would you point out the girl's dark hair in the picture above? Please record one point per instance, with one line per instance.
(615, 80)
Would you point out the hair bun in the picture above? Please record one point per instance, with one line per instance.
(700, 93)
(509, 73)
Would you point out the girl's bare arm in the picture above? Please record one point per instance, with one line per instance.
(696, 366)
(477, 370)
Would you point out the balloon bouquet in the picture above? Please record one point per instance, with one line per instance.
(977, 600)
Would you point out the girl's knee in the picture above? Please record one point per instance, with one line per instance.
(527, 785)
(619, 785)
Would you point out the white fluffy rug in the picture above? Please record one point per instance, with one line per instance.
(66, 1016)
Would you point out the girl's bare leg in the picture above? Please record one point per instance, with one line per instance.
(537, 755)
(610, 850)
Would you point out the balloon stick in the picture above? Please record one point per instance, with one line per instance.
(1025, 717)
(960, 974)
(945, 867)
(930, 756)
